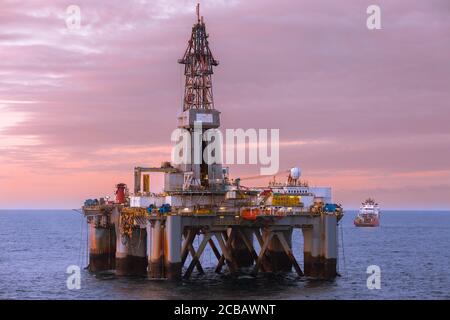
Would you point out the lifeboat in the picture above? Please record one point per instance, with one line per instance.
(250, 213)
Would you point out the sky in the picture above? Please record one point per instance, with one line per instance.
(364, 111)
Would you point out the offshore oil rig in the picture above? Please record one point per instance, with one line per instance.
(141, 233)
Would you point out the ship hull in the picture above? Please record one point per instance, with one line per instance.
(365, 223)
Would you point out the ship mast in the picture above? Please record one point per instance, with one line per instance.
(198, 61)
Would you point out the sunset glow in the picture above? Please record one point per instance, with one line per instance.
(366, 113)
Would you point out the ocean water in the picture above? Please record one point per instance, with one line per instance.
(412, 249)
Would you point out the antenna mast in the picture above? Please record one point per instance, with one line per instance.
(198, 12)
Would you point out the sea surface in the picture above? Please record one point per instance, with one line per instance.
(412, 249)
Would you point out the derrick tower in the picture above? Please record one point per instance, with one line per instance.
(199, 62)
(198, 106)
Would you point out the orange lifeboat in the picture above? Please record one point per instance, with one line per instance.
(250, 213)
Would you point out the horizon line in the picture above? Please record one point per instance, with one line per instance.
(349, 209)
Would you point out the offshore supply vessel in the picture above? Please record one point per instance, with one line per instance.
(144, 233)
(369, 214)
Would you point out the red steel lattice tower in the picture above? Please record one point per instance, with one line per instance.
(198, 61)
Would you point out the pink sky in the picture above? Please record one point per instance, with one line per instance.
(367, 112)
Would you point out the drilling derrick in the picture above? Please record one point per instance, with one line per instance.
(198, 61)
(198, 104)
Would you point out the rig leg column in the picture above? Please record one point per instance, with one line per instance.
(279, 260)
(307, 247)
(131, 254)
(102, 248)
(241, 253)
(330, 247)
(316, 249)
(156, 257)
(149, 244)
(139, 251)
(173, 248)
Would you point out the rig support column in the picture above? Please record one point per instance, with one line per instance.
(172, 257)
(241, 254)
(148, 228)
(102, 247)
(156, 254)
(316, 249)
(330, 246)
(279, 261)
(307, 248)
(131, 253)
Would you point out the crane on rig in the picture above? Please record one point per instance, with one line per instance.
(294, 174)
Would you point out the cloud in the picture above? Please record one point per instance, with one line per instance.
(103, 99)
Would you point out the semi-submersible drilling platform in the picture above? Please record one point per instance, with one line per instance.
(143, 233)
